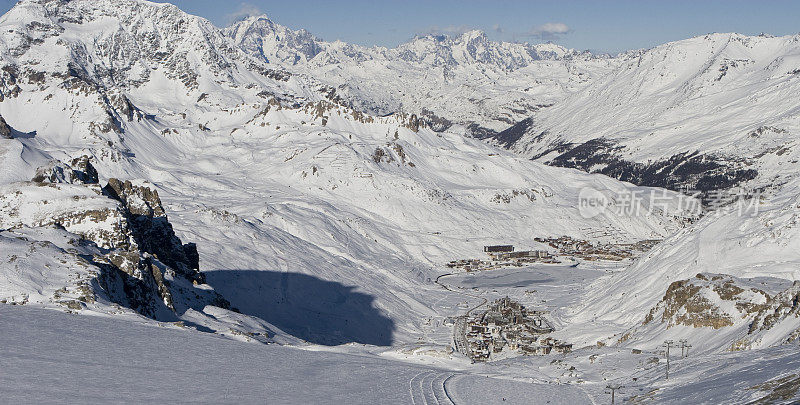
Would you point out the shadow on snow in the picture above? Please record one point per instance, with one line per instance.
(318, 311)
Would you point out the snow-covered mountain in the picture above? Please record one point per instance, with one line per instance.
(261, 184)
(280, 188)
(707, 113)
(712, 114)
(465, 79)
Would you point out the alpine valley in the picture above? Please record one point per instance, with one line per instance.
(252, 214)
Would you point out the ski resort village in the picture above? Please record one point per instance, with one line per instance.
(505, 325)
(199, 204)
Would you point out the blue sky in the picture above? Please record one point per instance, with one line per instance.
(608, 26)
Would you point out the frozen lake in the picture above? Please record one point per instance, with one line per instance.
(524, 277)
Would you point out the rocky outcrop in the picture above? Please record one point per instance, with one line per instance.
(141, 263)
(385, 155)
(719, 301)
(5, 130)
(151, 230)
(783, 305)
(694, 302)
(84, 171)
(79, 171)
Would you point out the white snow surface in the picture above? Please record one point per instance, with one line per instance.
(106, 360)
(288, 193)
(726, 95)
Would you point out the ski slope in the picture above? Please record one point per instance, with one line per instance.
(104, 360)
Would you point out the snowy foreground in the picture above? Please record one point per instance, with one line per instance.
(51, 356)
(47, 356)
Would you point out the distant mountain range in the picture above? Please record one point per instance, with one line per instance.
(465, 79)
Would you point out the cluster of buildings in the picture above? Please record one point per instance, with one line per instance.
(586, 250)
(507, 325)
(503, 256)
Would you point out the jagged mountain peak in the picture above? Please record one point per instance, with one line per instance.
(273, 43)
(466, 36)
(120, 42)
(447, 79)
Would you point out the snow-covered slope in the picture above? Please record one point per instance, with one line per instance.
(465, 79)
(729, 282)
(708, 112)
(711, 113)
(74, 360)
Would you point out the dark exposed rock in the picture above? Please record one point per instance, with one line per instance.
(719, 300)
(137, 275)
(158, 279)
(433, 121)
(689, 170)
(147, 268)
(685, 303)
(413, 123)
(83, 169)
(385, 154)
(5, 130)
(782, 305)
(479, 132)
(138, 200)
(121, 104)
(510, 136)
(79, 171)
(782, 390)
(378, 155)
(150, 228)
(141, 294)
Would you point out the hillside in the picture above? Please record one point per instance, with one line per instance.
(729, 282)
(706, 113)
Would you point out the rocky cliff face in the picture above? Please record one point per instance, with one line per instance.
(783, 310)
(120, 234)
(151, 230)
(5, 130)
(78, 171)
(700, 302)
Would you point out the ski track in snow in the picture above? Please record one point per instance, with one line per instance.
(429, 388)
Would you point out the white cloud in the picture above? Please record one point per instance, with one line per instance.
(549, 31)
(451, 30)
(245, 10)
